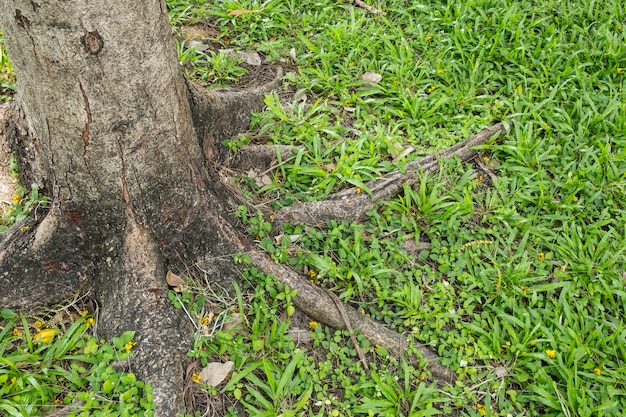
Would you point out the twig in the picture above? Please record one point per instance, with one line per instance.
(346, 319)
(369, 8)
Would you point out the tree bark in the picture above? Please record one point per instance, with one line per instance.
(110, 135)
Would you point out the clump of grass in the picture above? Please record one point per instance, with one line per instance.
(44, 368)
(518, 276)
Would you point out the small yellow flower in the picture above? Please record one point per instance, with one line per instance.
(45, 336)
(541, 256)
(84, 312)
(204, 320)
(422, 377)
(358, 190)
(551, 353)
(312, 325)
(38, 324)
(351, 64)
(440, 71)
(16, 332)
(481, 409)
(312, 273)
(58, 401)
(478, 178)
(508, 343)
(429, 38)
(16, 198)
(90, 322)
(272, 217)
(597, 371)
(619, 71)
(431, 89)
(128, 346)
(196, 378)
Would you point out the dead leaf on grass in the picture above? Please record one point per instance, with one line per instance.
(372, 77)
(235, 321)
(214, 373)
(261, 180)
(238, 12)
(250, 58)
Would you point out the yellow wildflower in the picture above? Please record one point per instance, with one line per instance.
(508, 343)
(128, 346)
(619, 70)
(16, 198)
(38, 324)
(422, 377)
(16, 332)
(90, 322)
(204, 320)
(45, 335)
(541, 256)
(312, 273)
(312, 325)
(429, 38)
(196, 378)
(440, 71)
(358, 190)
(431, 89)
(551, 353)
(597, 371)
(481, 409)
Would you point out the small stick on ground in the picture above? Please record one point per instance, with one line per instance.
(346, 320)
(369, 8)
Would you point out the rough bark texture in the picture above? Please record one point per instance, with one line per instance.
(110, 135)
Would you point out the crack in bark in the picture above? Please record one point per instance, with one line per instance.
(85, 133)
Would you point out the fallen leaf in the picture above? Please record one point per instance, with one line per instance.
(292, 53)
(261, 180)
(372, 77)
(199, 46)
(174, 280)
(238, 12)
(45, 335)
(250, 58)
(214, 373)
(501, 372)
(235, 321)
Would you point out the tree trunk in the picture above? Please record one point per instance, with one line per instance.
(108, 131)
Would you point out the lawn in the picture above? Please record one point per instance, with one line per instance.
(512, 267)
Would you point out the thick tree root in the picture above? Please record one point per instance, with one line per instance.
(318, 304)
(223, 113)
(350, 206)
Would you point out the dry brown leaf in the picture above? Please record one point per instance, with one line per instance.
(174, 280)
(261, 180)
(238, 12)
(214, 373)
(372, 77)
(235, 321)
(250, 58)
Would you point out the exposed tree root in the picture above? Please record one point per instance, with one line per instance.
(223, 113)
(319, 305)
(349, 206)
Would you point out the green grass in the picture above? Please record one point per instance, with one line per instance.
(522, 288)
